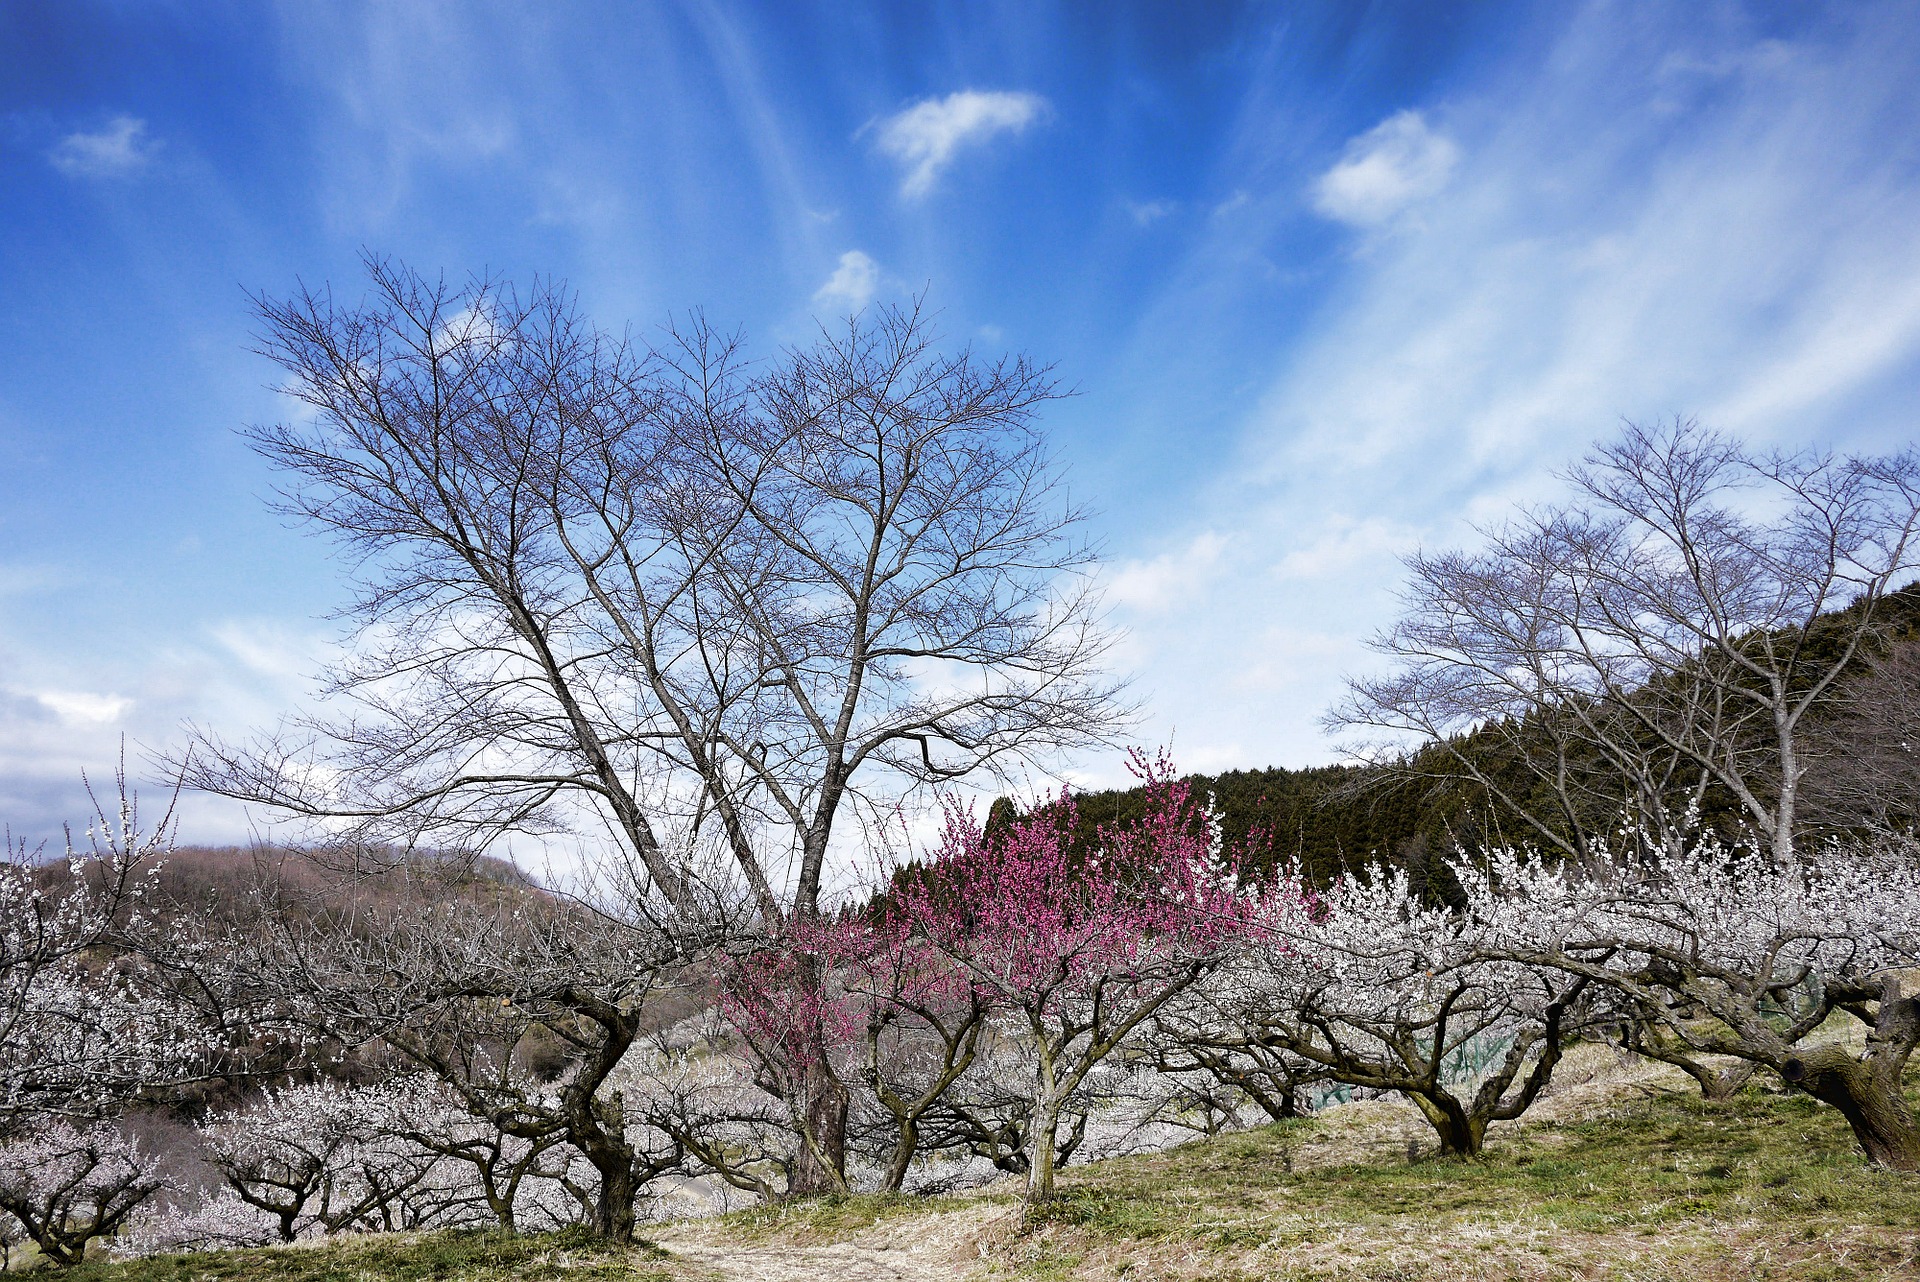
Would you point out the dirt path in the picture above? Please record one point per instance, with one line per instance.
(944, 1247)
(844, 1262)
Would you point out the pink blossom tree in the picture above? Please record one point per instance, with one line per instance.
(1079, 955)
(922, 1023)
(860, 1001)
(793, 1021)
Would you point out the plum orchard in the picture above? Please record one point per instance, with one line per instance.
(978, 1004)
(690, 613)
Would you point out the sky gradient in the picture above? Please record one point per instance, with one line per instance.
(1332, 281)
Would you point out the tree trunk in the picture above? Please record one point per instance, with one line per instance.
(904, 1144)
(820, 1167)
(1719, 1086)
(613, 1208)
(604, 1144)
(1648, 1040)
(1461, 1134)
(1872, 1104)
(1046, 1126)
(501, 1204)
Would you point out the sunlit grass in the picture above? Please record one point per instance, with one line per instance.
(1691, 1182)
(434, 1257)
(824, 1217)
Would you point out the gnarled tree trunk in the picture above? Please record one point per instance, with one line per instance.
(1871, 1101)
(1461, 1133)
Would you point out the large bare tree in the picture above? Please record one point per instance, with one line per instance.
(660, 598)
(1664, 639)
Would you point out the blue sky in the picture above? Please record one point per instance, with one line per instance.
(1332, 280)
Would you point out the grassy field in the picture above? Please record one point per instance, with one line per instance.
(1652, 1186)
(1765, 1185)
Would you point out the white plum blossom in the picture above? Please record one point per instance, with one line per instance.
(62, 1187)
(323, 1157)
(1730, 950)
(1372, 985)
(85, 1024)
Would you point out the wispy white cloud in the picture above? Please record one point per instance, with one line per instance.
(404, 90)
(271, 649)
(1759, 267)
(1232, 204)
(1391, 166)
(1165, 582)
(1346, 546)
(925, 137)
(62, 715)
(1147, 212)
(853, 282)
(81, 708)
(119, 150)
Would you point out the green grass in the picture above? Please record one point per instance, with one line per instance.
(1775, 1172)
(434, 1257)
(1654, 1163)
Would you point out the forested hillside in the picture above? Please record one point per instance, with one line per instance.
(1414, 810)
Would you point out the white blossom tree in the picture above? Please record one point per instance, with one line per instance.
(454, 978)
(512, 1175)
(1724, 951)
(63, 1187)
(1372, 986)
(325, 1157)
(1205, 1041)
(92, 1010)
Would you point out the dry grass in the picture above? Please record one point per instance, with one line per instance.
(429, 1257)
(1667, 1187)
(1622, 1173)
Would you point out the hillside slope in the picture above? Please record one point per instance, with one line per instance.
(1411, 813)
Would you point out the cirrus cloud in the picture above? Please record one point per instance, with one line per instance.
(925, 136)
